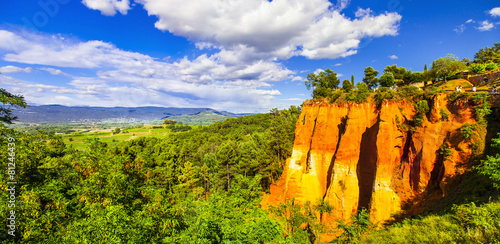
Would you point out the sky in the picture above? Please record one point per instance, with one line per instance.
(244, 56)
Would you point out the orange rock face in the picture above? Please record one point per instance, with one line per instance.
(366, 156)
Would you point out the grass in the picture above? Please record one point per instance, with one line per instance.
(77, 140)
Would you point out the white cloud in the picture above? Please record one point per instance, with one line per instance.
(470, 21)
(342, 4)
(486, 26)
(53, 71)
(495, 12)
(13, 69)
(123, 78)
(271, 29)
(338, 64)
(108, 7)
(293, 99)
(459, 29)
(393, 57)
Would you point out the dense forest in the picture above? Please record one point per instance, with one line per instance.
(204, 185)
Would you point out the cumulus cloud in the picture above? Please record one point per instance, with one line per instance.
(108, 7)
(123, 78)
(486, 26)
(393, 57)
(495, 12)
(281, 28)
(13, 69)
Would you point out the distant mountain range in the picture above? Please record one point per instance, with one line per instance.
(59, 113)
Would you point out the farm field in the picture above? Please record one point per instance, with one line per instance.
(78, 140)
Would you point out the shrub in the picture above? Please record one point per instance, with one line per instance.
(347, 86)
(491, 166)
(444, 114)
(491, 66)
(445, 151)
(359, 95)
(422, 108)
(384, 94)
(408, 92)
(335, 95)
(477, 68)
(454, 96)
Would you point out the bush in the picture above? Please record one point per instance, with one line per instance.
(335, 95)
(408, 92)
(491, 66)
(422, 108)
(347, 86)
(477, 68)
(359, 95)
(384, 94)
(491, 166)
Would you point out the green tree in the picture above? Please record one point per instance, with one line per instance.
(488, 54)
(477, 68)
(370, 78)
(387, 79)
(9, 102)
(323, 206)
(322, 83)
(347, 85)
(169, 122)
(352, 80)
(397, 72)
(491, 166)
(447, 66)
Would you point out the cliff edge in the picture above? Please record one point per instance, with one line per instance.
(369, 156)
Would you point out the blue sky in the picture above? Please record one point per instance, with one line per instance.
(239, 55)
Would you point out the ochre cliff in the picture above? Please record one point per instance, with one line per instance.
(367, 156)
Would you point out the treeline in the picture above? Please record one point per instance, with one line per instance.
(326, 83)
(199, 186)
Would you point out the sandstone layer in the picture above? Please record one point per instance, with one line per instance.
(368, 156)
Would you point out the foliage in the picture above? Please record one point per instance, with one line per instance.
(358, 226)
(445, 151)
(10, 102)
(488, 54)
(370, 78)
(322, 83)
(447, 66)
(397, 72)
(491, 165)
(477, 68)
(150, 190)
(387, 79)
(491, 66)
(359, 95)
(444, 114)
(421, 108)
(347, 86)
(384, 94)
(169, 122)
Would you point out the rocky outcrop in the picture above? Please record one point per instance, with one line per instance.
(369, 156)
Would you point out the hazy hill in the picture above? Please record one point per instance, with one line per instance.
(59, 113)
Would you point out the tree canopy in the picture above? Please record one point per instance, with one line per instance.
(488, 54)
(370, 78)
(322, 83)
(10, 102)
(447, 66)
